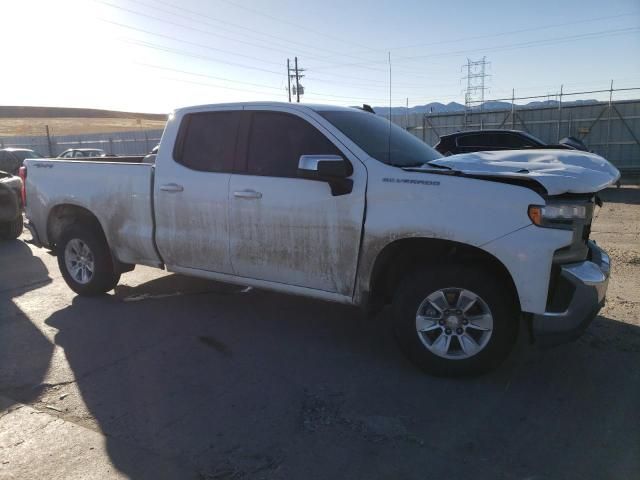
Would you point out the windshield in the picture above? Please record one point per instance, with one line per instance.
(22, 154)
(372, 134)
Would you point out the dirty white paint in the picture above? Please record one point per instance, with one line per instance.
(118, 194)
(297, 237)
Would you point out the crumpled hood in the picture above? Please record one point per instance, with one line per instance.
(558, 171)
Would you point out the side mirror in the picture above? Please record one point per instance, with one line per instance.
(324, 166)
(332, 169)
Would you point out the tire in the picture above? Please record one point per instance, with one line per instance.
(477, 343)
(82, 245)
(11, 230)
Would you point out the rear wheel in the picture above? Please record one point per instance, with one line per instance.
(455, 320)
(11, 230)
(85, 261)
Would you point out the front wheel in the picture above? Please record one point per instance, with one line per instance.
(455, 320)
(85, 261)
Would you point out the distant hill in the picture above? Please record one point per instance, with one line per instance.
(437, 107)
(31, 121)
(434, 107)
(57, 112)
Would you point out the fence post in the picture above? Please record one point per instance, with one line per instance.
(609, 117)
(111, 146)
(146, 142)
(49, 141)
(560, 113)
(513, 109)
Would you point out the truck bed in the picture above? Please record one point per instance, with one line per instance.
(119, 194)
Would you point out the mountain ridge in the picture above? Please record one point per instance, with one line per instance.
(452, 107)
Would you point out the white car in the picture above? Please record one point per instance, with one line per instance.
(83, 153)
(339, 204)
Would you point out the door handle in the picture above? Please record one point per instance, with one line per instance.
(171, 187)
(247, 194)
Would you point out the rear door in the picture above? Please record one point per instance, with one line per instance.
(288, 229)
(191, 192)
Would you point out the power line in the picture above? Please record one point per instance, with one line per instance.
(534, 43)
(287, 41)
(499, 34)
(187, 27)
(374, 86)
(177, 70)
(296, 25)
(200, 57)
(274, 48)
(243, 90)
(179, 52)
(186, 72)
(380, 84)
(196, 44)
(513, 32)
(496, 48)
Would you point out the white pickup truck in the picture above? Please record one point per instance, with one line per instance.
(339, 204)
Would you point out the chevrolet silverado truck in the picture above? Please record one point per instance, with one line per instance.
(341, 205)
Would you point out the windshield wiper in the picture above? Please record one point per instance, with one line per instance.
(407, 165)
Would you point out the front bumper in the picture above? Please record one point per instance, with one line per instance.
(589, 280)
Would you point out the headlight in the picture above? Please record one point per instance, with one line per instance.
(558, 215)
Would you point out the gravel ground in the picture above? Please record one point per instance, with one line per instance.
(173, 377)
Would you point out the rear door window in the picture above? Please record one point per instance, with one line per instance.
(473, 140)
(510, 140)
(206, 141)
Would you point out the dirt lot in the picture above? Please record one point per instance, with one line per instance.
(17, 121)
(171, 377)
(73, 125)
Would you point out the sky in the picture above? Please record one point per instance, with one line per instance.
(157, 55)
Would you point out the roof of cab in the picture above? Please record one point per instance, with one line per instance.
(486, 130)
(240, 105)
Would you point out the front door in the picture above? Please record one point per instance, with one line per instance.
(288, 229)
(191, 192)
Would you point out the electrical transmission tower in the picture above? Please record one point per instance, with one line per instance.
(294, 75)
(476, 75)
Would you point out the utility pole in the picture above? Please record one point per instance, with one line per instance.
(476, 75)
(49, 143)
(289, 79)
(295, 73)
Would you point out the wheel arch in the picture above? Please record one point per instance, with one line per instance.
(401, 256)
(63, 215)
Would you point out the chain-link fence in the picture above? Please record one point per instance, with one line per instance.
(609, 128)
(137, 142)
